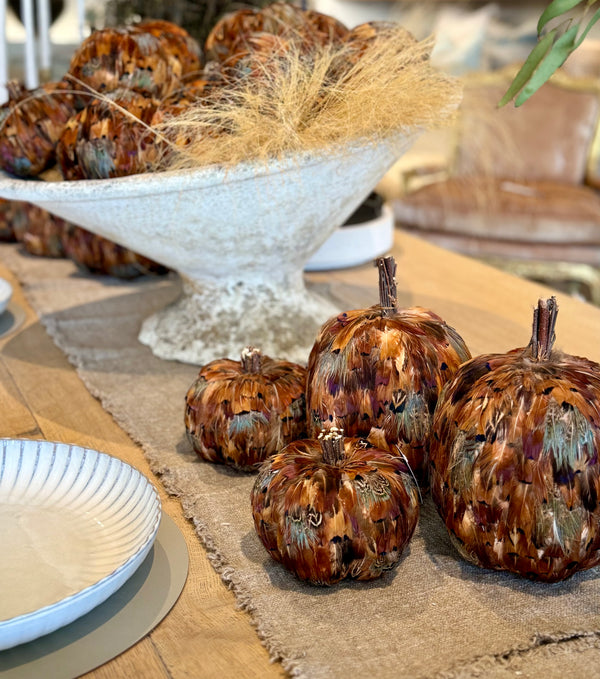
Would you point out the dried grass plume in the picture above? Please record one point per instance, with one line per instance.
(295, 102)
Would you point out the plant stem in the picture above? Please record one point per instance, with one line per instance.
(387, 285)
(543, 336)
(332, 446)
(251, 360)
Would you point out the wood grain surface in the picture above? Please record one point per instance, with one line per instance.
(204, 635)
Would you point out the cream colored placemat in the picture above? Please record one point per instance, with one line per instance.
(434, 616)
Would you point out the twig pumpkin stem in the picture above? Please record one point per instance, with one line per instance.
(15, 89)
(251, 360)
(332, 445)
(387, 285)
(543, 336)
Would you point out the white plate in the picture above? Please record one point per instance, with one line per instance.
(5, 294)
(355, 244)
(75, 525)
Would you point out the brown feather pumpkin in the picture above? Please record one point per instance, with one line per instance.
(334, 508)
(240, 412)
(115, 58)
(247, 30)
(179, 45)
(99, 255)
(39, 231)
(383, 367)
(31, 123)
(109, 138)
(12, 214)
(514, 460)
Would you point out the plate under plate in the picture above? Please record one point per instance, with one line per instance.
(76, 525)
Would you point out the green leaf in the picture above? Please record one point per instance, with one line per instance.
(538, 53)
(587, 29)
(554, 59)
(555, 9)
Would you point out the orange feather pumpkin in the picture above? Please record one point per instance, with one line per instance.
(240, 412)
(514, 460)
(335, 508)
(383, 367)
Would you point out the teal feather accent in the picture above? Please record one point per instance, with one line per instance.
(301, 528)
(412, 416)
(567, 436)
(372, 489)
(463, 457)
(242, 423)
(556, 521)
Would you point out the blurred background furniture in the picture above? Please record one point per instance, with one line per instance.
(521, 188)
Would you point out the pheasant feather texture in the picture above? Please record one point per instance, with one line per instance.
(329, 520)
(240, 412)
(383, 368)
(514, 462)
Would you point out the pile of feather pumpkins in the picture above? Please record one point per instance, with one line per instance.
(390, 405)
(100, 120)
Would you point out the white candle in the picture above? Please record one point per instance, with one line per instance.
(81, 18)
(31, 76)
(3, 53)
(43, 16)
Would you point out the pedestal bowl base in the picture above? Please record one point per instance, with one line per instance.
(219, 321)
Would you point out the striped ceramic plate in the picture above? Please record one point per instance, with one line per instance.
(75, 524)
(5, 294)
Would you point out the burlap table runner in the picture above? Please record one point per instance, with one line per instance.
(434, 616)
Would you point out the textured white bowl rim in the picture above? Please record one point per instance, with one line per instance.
(149, 183)
(30, 626)
(5, 294)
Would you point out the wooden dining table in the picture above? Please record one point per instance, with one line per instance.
(205, 634)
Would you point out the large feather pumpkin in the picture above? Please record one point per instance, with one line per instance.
(383, 367)
(240, 412)
(335, 508)
(514, 461)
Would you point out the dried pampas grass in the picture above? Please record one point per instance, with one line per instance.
(294, 102)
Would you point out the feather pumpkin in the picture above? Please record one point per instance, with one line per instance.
(109, 138)
(12, 216)
(514, 458)
(383, 367)
(39, 231)
(183, 51)
(31, 123)
(240, 412)
(334, 508)
(99, 255)
(130, 58)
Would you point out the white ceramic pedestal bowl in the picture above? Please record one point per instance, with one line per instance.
(239, 238)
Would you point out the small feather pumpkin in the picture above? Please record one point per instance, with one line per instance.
(110, 137)
(131, 58)
(240, 412)
(178, 44)
(514, 460)
(99, 255)
(39, 231)
(383, 367)
(31, 123)
(334, 508)
(12, 214)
